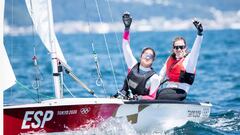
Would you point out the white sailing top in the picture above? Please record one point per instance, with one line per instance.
(153, 82)
(189, 63)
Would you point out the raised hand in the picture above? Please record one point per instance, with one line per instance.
(127, 20)
(199, 27)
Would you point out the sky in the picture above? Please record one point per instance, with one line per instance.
(73, 16)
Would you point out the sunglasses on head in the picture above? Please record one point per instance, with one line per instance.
(179, 47)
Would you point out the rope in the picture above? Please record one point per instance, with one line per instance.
(81, 83)
(64, 85)
(117, 39)
(75, 78)
(118, 44)
(38, 76)
(24, 87)
(99, 81)
(106, 44)
(11, 90)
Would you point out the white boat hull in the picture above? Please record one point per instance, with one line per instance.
(162, 115)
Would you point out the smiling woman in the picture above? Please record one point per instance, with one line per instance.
(180, 67)
(217, 80)
(147, 57)
(179, 47)
(141, 82)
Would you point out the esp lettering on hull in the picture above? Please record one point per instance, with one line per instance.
(36, 119)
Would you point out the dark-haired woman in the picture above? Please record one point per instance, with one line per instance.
(142, 82)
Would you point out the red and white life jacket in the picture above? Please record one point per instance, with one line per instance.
(176, 72)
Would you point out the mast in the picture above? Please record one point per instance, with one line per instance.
(42, 17)
(54, 60)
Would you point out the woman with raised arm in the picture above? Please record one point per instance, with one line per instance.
(141, 82)
(180, 68)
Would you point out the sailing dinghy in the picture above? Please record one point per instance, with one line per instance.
(62, 114)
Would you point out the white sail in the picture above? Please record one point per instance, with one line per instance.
(43, 24)
(7, 76)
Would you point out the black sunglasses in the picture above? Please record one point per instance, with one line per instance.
(179, 47)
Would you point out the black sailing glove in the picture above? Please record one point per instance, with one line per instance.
(199, 27)
(127, 20)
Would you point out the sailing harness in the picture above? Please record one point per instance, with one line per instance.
(136, 81)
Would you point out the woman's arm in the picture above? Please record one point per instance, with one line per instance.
(190, 62)
(154, 80)
(127, 52)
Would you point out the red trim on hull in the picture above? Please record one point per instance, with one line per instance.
(55, 118)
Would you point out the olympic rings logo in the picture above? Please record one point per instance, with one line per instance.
(85, 110)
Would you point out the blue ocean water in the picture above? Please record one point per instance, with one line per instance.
(217, 80)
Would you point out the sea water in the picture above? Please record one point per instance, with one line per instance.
(217, 79)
